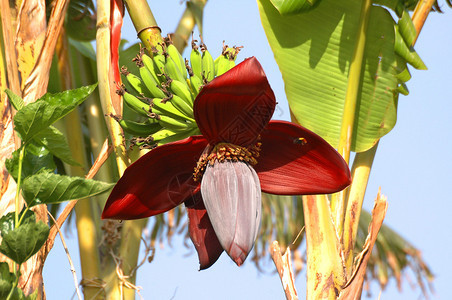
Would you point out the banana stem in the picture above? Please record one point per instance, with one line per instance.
(106, 84)
(183, 30)
(19, 181)
(144, 22)
(325, 272)
(130, 243)
(362, 165)
(420, 14)
(348, 118)
(131, 231)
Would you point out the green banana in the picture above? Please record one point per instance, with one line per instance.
(226, 60)
(173, 124)
(195, 84)
(223, 64)
(151, 85)
(172, 70)
(133, 80)
(159, 65)
(179, 136)
(162, 134)
(208, 65)
(196, 60)
(182, 90)
(134, 103)
(139, 129)
(177, 58)
(182, 106)
(167, 108)
(149, 63)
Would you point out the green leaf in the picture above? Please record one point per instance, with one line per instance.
(85, 48)
(36, 158)
(16, 100)
(7, 222)
(56, 143)
(53, 188)
(6, 280)
(24, 241)
(39, 115)
(406, 28)
(314, 51)
(407, 52)
(291, 7)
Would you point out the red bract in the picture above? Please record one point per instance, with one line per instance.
(240, 153)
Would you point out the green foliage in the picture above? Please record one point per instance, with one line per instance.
(55, 142)
(291, 7)
(35, 159)
(7, 222)
(85, 48)
(16, 101)
(39, 115)
(32, 167)
(6, 280)
(47, 188)
(315, 65)
(23, 242)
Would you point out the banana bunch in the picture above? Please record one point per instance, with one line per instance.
(164, 92)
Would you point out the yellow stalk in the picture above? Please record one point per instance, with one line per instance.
(348, 118)
(112, 289)
(144, 22)
(86, 227)
(420, 14)
(106, 85)
(325, 272)
(360, 173)
(363, 164)
(130, 243)
(183, 30)
(4, 106)
(10, 53)
(118, 286)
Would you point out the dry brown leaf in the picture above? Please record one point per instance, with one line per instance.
(284, 267)
(354, 286)
(8, 42)
(30, 35)
(36, 83)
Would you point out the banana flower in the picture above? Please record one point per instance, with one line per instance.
(220, 175)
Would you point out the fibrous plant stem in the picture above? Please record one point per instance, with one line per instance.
(348, 118)
(144, 22)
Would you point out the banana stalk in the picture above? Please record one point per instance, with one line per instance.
(144, 22)
(338, 201)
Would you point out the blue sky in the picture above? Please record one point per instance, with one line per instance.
(412, 166)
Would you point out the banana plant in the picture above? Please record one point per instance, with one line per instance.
(344, 66)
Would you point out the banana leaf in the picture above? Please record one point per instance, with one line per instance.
(314, 51)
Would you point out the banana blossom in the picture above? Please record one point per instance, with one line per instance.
(220, 174)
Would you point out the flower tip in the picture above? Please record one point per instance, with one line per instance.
(108, 214)
(238, 254)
